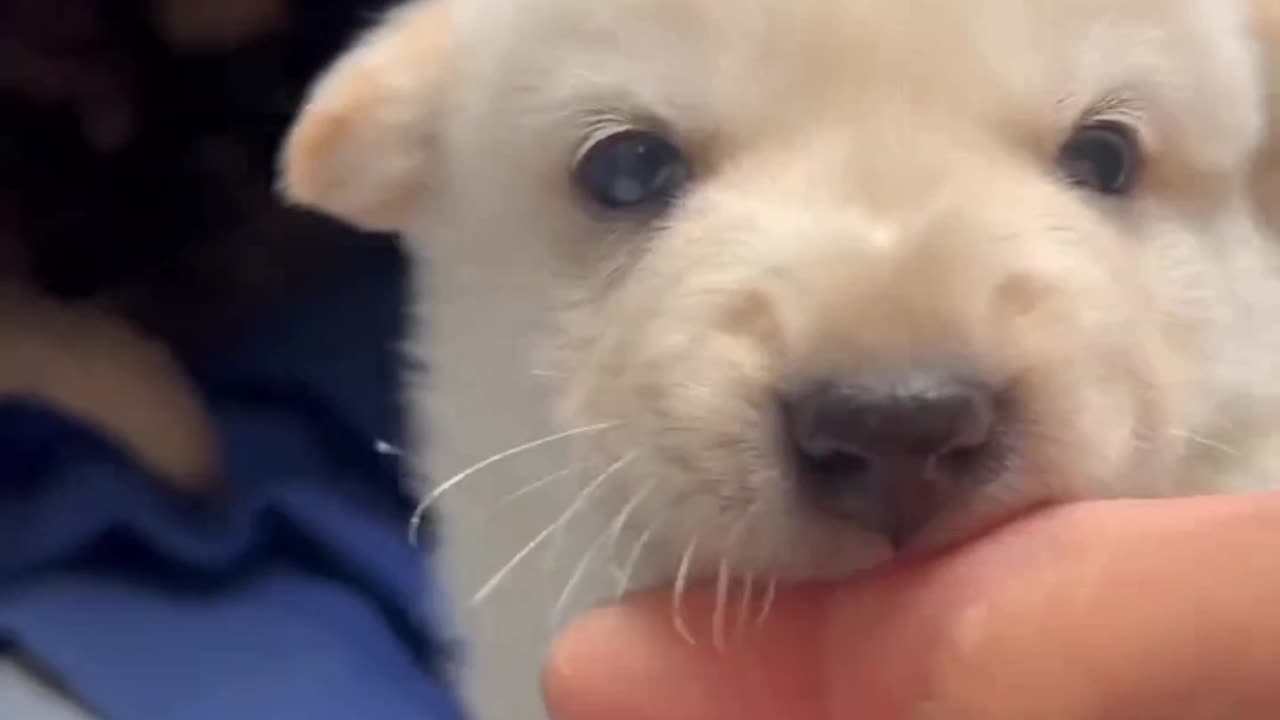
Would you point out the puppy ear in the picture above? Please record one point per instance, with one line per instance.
(363, 147)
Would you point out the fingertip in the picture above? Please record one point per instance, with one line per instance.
(630, 662)
(627, 662)
(580, 679)
(964, 631)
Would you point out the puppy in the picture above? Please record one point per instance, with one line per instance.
(838, 281)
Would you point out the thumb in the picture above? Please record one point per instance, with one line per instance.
(1101, 610)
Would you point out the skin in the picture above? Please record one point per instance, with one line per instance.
(1094, 611)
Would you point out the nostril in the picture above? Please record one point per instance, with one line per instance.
(891, 422)
(840, 482)
(961, 462)
(890, 456)
(839, 464)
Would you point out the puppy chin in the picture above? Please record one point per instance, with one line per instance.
(843, 552)
(975, 522)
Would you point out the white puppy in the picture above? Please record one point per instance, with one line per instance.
(836, 280)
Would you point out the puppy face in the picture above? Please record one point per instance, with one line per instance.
(851, 277)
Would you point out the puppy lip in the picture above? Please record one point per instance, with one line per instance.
(948, 534)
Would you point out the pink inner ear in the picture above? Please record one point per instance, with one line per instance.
(357, 150)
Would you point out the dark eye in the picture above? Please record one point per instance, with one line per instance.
(632, 169)
(1104, 157)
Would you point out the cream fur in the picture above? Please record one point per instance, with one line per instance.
(875, 186)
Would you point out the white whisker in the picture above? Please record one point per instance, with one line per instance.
(542, 536)
(1206, 442)
(771, 592)
(576, 577)
(744, 606)
(415, 523)
(629, 568)
(537, 485)
(627, 511)
(677, 593)
(553, 548)
(610, 535)
(724, 574)
(722, 602)
(557, 541)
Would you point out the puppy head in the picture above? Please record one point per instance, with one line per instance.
(851, 277)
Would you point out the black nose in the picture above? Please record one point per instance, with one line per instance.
(893, 455)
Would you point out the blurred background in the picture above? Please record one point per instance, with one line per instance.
(138, 141)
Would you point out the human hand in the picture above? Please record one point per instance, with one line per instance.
(1098, 611)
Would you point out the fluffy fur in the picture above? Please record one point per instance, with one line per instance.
(875, 188)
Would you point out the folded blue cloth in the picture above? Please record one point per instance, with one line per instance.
(298, 595)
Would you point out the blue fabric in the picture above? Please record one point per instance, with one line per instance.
(296, 595)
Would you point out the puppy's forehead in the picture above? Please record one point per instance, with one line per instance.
(765, 60)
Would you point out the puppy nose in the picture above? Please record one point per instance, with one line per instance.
(892, 456)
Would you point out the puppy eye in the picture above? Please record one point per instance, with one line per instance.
(632, 169)
(1104, 157)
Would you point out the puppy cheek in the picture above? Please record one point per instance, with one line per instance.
(718, 399)
(713, 414)
(1071, 376)
(1099, 402)
(691, 390)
